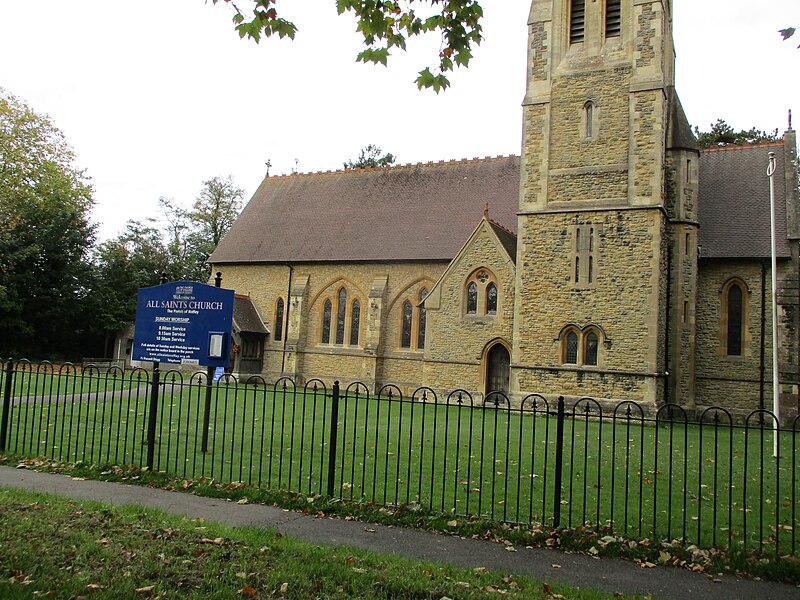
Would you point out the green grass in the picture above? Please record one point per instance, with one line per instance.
(32, 381)
(703, 484)
(62, 548)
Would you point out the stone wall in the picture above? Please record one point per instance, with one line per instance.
(380, 288)
(623, 302)
(735, 381)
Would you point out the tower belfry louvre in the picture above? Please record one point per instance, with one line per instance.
(573, 269)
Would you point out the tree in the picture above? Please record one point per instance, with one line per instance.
(45, 235)
(385, 24)
(722, 134)
(136, 258)
(178, 245)
(370, 156)
(212, 215)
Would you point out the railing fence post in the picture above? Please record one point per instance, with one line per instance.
(7, 387)
(559, 463)
(151, 418)
(332, 442)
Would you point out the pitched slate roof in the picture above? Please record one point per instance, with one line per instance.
(734, 202)
(410, 212)
(507, 238)
(425, 212)
(679, 131)
(245, 316)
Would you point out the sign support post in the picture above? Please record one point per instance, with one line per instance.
(151, 417)
(209, 381)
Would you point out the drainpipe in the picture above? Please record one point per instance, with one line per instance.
(286, 326)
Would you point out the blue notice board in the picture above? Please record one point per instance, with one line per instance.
(184, 322)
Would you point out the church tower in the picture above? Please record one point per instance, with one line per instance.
(606, 259)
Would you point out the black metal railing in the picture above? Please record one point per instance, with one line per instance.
(707, 480)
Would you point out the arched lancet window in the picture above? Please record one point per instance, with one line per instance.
(327, 309)
(491, 299)
(472, 298)
(355, 322)
(588, 116)
(590, 349)
(279, 320)
(405, 337)
(571, 348)
(341, 308)
(735, 317)
(423, 293)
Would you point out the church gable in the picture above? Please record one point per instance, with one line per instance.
(472, 305)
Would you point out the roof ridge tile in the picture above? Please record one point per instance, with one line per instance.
(742, 146)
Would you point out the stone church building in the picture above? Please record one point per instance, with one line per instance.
(612, 259)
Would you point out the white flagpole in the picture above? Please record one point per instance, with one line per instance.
(775, 382)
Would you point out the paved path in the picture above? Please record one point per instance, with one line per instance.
(611, 575)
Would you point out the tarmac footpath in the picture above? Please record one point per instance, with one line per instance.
(582, 571)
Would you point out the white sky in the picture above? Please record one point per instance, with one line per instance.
(157, 96)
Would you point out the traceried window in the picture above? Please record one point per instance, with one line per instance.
(279, 320)
(355, 322)
(735, 329)
(482, 294)
(571, 348)
(613, 18)
(590, 349)
(408, 313)
(423, 293)
(577, 21)
(491, 299)
(327, 309)
(341, 309)
(472, 298)
(581, 347)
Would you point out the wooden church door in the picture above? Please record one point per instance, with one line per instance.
(498, 369)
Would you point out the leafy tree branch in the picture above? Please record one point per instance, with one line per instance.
(384, 25)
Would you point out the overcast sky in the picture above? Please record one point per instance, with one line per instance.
(157, 96)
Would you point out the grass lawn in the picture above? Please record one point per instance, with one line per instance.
(36, 381)
(706, 484)
(60, 548)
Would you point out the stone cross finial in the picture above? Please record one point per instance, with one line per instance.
(486, 211)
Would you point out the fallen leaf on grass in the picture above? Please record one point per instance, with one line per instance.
(145, 590)
(247, 591)
(452, 523)
(284, 587)
(243, 501)
(218, 541)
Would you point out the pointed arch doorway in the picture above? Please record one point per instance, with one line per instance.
(498, 369)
